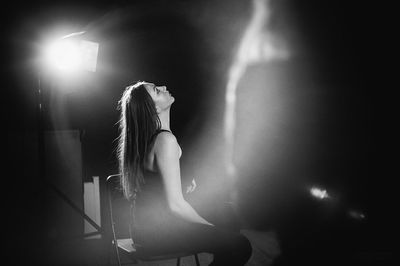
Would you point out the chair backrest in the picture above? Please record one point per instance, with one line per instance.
(119, 208)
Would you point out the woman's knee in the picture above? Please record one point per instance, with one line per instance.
(243, 248)
(247, 247)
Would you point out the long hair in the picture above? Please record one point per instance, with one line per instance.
(137, 124)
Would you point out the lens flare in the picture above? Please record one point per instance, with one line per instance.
(257, 45)
(319, 193)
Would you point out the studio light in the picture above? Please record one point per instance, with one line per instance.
(71, 53)
(60, 57)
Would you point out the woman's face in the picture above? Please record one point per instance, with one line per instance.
(161, 97)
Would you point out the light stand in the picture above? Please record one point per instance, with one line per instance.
(41, 142)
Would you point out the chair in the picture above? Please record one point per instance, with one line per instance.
(124, 245)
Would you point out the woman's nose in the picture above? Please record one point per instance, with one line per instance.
(163, 88)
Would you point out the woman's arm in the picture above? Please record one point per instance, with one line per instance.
(167, 160)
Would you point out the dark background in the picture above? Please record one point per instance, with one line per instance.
(330, 138)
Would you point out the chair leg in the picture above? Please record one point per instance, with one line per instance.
(197, 259)
(178, 262)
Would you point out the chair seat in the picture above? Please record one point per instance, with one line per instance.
(127, 246)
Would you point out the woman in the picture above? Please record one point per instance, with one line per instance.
(148, 154)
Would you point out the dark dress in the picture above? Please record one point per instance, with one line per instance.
(158, 231)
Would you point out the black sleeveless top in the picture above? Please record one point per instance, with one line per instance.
(153, 182)
(151, 215)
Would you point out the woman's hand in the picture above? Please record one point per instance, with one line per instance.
(191, 187)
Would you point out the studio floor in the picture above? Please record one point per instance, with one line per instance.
(95, 252)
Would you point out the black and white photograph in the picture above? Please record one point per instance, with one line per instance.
(196, 133)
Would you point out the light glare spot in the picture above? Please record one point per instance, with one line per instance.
(357, 215)
(319, 193)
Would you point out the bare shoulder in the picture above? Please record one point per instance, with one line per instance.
(166, 137)
(166, 142)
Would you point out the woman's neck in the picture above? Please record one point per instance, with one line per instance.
(164, 119)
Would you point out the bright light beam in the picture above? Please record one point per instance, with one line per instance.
(257, 45)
